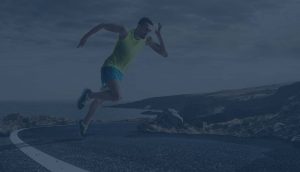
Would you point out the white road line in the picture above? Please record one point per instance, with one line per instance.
(42, 158)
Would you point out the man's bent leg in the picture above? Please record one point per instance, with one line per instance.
(113, 94)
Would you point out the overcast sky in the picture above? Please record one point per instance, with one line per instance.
(213, 45)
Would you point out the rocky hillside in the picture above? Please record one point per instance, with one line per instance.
(268, 111)
(14, 121)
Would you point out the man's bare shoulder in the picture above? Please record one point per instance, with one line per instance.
(116, 28)
(123, 32)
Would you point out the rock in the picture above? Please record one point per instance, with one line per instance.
(169, 119)
(296, 140)
(278, 126)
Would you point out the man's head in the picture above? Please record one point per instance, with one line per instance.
(144, 27)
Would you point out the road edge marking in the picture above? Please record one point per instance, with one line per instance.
(40, 157)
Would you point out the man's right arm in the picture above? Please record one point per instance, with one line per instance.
(109, 27)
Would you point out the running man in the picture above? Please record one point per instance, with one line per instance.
(128, 44)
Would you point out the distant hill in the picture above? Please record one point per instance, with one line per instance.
(226, 104)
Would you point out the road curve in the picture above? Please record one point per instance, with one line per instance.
(118, 146)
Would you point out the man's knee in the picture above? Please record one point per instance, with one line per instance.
(114, 90)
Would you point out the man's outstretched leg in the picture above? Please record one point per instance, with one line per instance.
(92, 109)
(113, 94)
(83, 124)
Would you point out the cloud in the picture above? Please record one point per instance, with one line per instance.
(231, 28)
(197, 23)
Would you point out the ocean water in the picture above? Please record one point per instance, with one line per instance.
(66, 109)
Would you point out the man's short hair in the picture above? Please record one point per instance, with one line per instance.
(145, 20)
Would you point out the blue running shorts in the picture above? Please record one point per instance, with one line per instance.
(110, 73)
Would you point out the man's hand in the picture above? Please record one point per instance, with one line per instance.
(157, 31)
(82, 42)
(159, 48)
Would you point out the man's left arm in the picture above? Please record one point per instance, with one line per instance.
(159, 48)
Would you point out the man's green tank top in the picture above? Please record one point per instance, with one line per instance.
(124, 52)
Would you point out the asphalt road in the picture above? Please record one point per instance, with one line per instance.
(118, 146)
